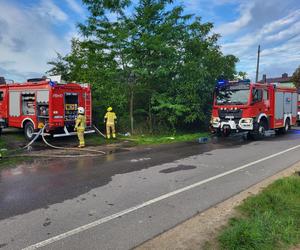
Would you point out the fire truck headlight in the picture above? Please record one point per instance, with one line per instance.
(55, 112)
(247, 120)
(215, 120)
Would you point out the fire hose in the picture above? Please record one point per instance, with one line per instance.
(41, 133)
(65, 148)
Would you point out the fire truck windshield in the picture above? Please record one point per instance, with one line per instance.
(232, 96)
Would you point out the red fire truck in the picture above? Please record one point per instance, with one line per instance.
(241, 106)
(37, 102)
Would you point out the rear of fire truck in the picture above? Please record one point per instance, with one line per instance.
(63, 105)
(40, 103)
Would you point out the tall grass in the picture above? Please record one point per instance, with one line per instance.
(269, 220)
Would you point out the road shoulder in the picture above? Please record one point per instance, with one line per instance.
(202, 228)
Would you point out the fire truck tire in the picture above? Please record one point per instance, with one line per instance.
(260, 131)
(29, 131)
(286, 127)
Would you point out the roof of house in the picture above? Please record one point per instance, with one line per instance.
(283, 79)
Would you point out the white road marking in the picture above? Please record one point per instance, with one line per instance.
(140, 159)
(147, 203)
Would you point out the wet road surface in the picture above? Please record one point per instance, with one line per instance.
(41, 199)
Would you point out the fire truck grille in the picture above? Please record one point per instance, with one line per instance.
(230, 114)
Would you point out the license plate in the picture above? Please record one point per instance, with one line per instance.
(229, 117)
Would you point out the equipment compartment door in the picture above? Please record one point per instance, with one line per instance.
(14, 103)
(2, 109)
(279, 109)
(71, 105)
(294, 104)
(287, 103)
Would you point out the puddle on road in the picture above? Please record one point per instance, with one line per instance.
(3, 245)
(178, 168)
(63, 179)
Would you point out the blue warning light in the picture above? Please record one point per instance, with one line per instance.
(222, 83)
(52, 84)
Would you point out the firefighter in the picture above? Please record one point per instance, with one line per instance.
(80, 126)
(110, 119)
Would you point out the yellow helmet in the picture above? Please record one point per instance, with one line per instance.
(109, 109)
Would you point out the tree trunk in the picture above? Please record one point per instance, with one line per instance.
(131, 110)
(150, 118)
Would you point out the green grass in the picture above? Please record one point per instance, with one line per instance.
(165, 139)
(145, 139)
(2, 143)
(269, 220)
(7, 142)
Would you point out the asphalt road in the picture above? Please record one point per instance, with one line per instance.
(123, 199)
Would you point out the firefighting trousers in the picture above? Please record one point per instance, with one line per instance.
(80, 135)
(110, 127)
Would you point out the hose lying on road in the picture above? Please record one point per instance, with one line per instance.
(65, 148)
(41, 133)
(33, 140)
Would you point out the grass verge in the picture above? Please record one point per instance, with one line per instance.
(8, 148)
(165, 139)
(145, 139)
(269, 220)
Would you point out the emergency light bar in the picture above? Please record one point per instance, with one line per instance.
(221, 83)
(225, 83)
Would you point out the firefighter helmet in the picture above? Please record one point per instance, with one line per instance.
(109, 109)
(80, 110)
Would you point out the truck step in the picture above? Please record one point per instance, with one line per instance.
(269, 133)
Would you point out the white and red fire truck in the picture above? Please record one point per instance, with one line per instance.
(37, 102)
(241, 106)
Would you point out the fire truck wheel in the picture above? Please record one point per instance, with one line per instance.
(261, 130)
(286, 127)
(29, 131)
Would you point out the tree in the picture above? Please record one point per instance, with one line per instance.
(157, 66)
(241, 75)
(59, 67)
(296, 77)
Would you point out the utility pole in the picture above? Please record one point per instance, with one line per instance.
(257, 66)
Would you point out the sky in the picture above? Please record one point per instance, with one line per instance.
(33, 31)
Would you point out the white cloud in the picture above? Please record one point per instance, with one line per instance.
(29, 40)
(291, 31)
(75, 6)
(280, 42)
(242, 21)
(48, 9)
(280, 23)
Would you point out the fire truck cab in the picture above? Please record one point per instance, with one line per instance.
(37, 102)
(241, 106)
